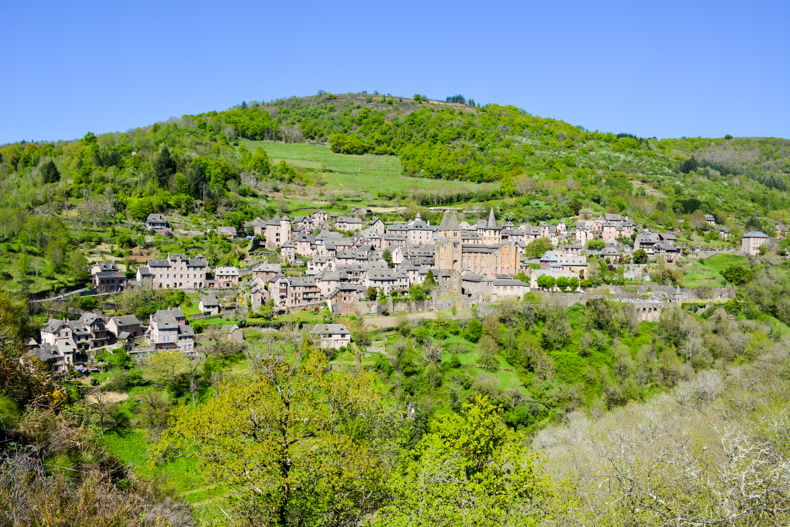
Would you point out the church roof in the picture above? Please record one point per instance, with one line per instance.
(492, 220)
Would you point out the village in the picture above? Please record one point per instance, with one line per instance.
(362, 267)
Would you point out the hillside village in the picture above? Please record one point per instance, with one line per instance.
(434, 263)
(359, 266)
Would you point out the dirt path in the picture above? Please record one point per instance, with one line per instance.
(108, 397)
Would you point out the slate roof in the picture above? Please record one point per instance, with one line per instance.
(755, 234)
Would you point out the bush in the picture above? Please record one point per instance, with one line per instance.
(473, 330)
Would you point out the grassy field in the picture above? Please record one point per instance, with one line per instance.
(365, 173)
(707, 272)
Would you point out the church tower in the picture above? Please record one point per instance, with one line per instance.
(448, 252)
(493, 232)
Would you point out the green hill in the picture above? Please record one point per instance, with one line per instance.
(392, 154)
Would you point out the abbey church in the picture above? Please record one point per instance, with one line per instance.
(488, 256)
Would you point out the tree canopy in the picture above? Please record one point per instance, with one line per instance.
(296, 445)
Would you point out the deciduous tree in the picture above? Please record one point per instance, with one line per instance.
(297, 445)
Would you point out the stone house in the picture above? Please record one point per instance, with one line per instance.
(345, 300)
(259, 295)
(226, 277)
(387, 280)
(168, 330)
(266, 271)
(333, 336)
(106, 278)
(278, 290)
(348, 223)
(509, 288)
(227, 231)
(57, 358)
(320, 218)
(302, 290)
(155, 222)
(305, 245)
(752, 241)
(209, 305)
(125, 327)
(288, 252)
(473, 284)
(319, 264)
(89, 331)
(377, 226)
(175, 272)
(327, 282)
(449, 282)
(278, 232)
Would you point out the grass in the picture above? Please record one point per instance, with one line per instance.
(9, 411)
(184, 475)
(365, 173)
(707, 272)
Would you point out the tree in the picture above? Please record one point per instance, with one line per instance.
(55, 254)
(373, 293)
(473, 330)
(155, 410)
(546, 282)
(78, 266)
(573, 283)
(563, 283)
(50, 172)
(103, 408)
(260, 162)
(737, 274)
(537, 248)
(387, 257)
(488, 351)
(429, 283)
(196, 180)
(300, 444)
(596, 245)
(165, 367)
(164, 167)
(640, 256)
(688, 165)
(470, 469)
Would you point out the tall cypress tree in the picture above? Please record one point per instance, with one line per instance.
(164, 167)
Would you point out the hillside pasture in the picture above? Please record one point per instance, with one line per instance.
(371, 174)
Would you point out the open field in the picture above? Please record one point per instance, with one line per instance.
(364, 173)
(707, 272)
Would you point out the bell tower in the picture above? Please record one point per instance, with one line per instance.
(448, 252)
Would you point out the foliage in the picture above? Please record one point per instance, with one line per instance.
(737, 274)
(537, 248)
(470, 469)
(296, 445)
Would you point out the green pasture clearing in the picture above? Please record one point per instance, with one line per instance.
(364, 173)
(707, 272)
(183, 474)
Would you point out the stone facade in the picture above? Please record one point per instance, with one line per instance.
(175, 272)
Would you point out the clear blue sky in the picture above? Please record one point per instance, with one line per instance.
(665, 69)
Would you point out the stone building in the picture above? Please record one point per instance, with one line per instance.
(752, 241)
(278, 232)
(175, 272)
(106, 278)
(487, 257)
